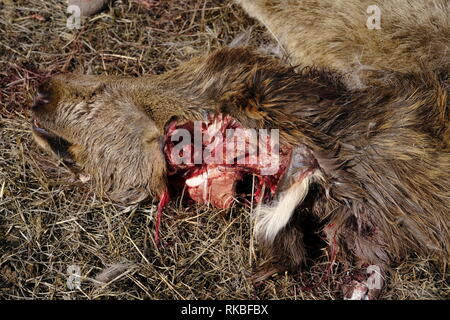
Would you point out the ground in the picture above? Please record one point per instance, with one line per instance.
(52, 225)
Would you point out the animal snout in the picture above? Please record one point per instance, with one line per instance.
(42, 96)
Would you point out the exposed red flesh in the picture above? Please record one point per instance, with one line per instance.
(212, 185)
(164, 199)
(215, 183)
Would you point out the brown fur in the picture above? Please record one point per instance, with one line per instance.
(408, 60)
(387, 168)
(333, 34)
(383, 152)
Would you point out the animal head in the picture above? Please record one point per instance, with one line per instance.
(94, 125)
(118, 130)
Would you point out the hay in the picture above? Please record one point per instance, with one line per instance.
(51, 224)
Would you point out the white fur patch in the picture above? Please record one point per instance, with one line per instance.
(271, 219)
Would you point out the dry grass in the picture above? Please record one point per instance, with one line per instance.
(49, 222)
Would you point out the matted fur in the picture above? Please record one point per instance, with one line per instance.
(397, 163)
(382, 152)
(386, 171)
